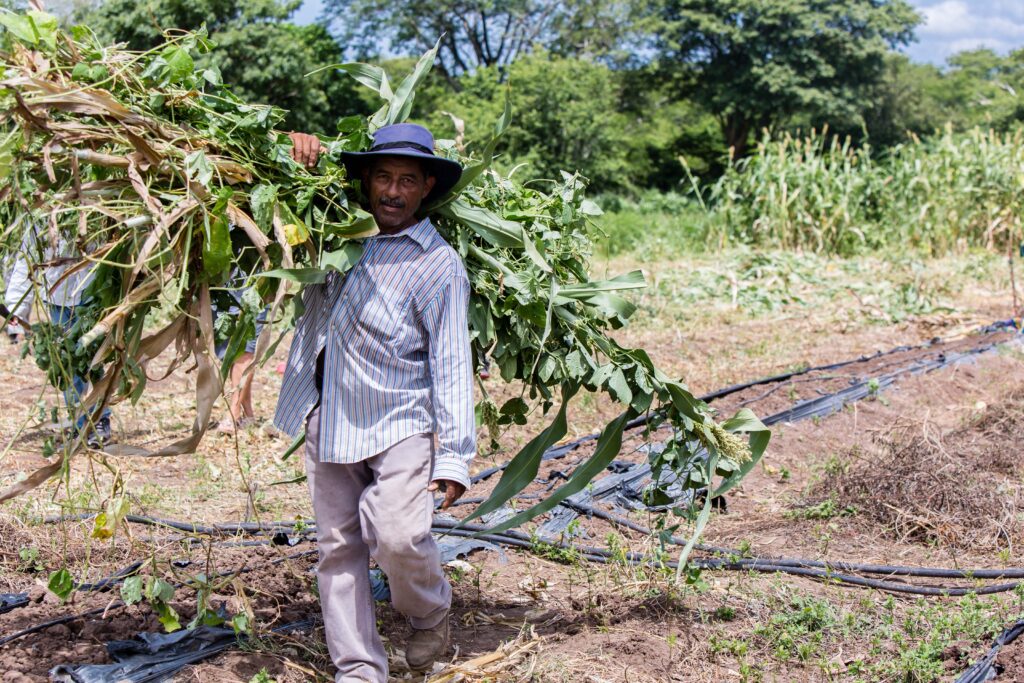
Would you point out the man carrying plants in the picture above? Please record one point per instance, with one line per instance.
(379, 366)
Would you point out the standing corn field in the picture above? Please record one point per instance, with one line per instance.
(821, 193)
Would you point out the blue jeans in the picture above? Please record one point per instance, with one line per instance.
(64, 317)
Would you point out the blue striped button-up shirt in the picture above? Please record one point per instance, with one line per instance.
(397, 357)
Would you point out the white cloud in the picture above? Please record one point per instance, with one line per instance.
(953, 25)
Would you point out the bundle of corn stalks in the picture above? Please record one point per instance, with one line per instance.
(152, 174)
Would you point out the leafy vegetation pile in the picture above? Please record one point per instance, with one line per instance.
(149, 171)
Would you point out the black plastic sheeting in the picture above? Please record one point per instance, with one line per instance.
(156, 656)
(861, 389)
(625, 487)
(986, 669)
(9, 601)
(858, 390)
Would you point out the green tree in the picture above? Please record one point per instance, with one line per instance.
(260, 54)
(758, 63)
(618, 127)
(564, 117)
(478, 33)
(984, 89)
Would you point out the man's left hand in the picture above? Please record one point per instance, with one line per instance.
(453, 490)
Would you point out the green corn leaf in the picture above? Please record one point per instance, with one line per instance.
(401, 103)
(296, 445)
(474, 171)
(609, 445)
(495, 230)
(373, 77)
(524, 467)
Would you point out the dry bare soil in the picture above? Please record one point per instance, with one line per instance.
(924, 473)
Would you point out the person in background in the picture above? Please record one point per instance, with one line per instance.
(240, 411)
(61, 292)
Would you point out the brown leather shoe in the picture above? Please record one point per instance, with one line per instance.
(427, 645)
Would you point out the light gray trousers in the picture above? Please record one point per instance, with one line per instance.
(380, 507)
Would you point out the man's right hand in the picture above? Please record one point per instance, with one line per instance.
(305, 148)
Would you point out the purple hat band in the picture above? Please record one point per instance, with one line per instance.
(408, 140)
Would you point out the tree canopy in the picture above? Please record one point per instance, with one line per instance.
(759, 62)
(477, 33)
(259, 52)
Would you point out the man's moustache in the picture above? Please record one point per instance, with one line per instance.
(394, 204)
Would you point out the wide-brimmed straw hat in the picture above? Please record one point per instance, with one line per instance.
(407, 140)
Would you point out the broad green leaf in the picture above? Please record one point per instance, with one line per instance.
(523, 468)
(61, 584)
(198, 168)
(217, 253)
(159, 590)
(619, 387)
(262, 200)
(342, 260)
(362, 225)
(20, 27)
(179, 64)
(33, 27)
(609, 445)
(167, 616)
(240, 623)
(131, 590)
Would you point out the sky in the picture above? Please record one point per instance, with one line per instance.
(949, 26)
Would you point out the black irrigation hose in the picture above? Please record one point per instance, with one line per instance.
(603, 556)
(119, 603)
(57, 622)
(983, 669)
(188, 527)
(888, 570)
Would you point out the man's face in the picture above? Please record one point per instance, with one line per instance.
(396, 187)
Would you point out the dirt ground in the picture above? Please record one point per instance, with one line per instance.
(549, 615)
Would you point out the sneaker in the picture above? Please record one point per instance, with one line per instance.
(427, 645)
(101, 435)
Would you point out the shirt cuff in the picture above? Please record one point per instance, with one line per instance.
(453, 468)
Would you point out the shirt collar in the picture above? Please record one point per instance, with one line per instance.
(419, 232)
